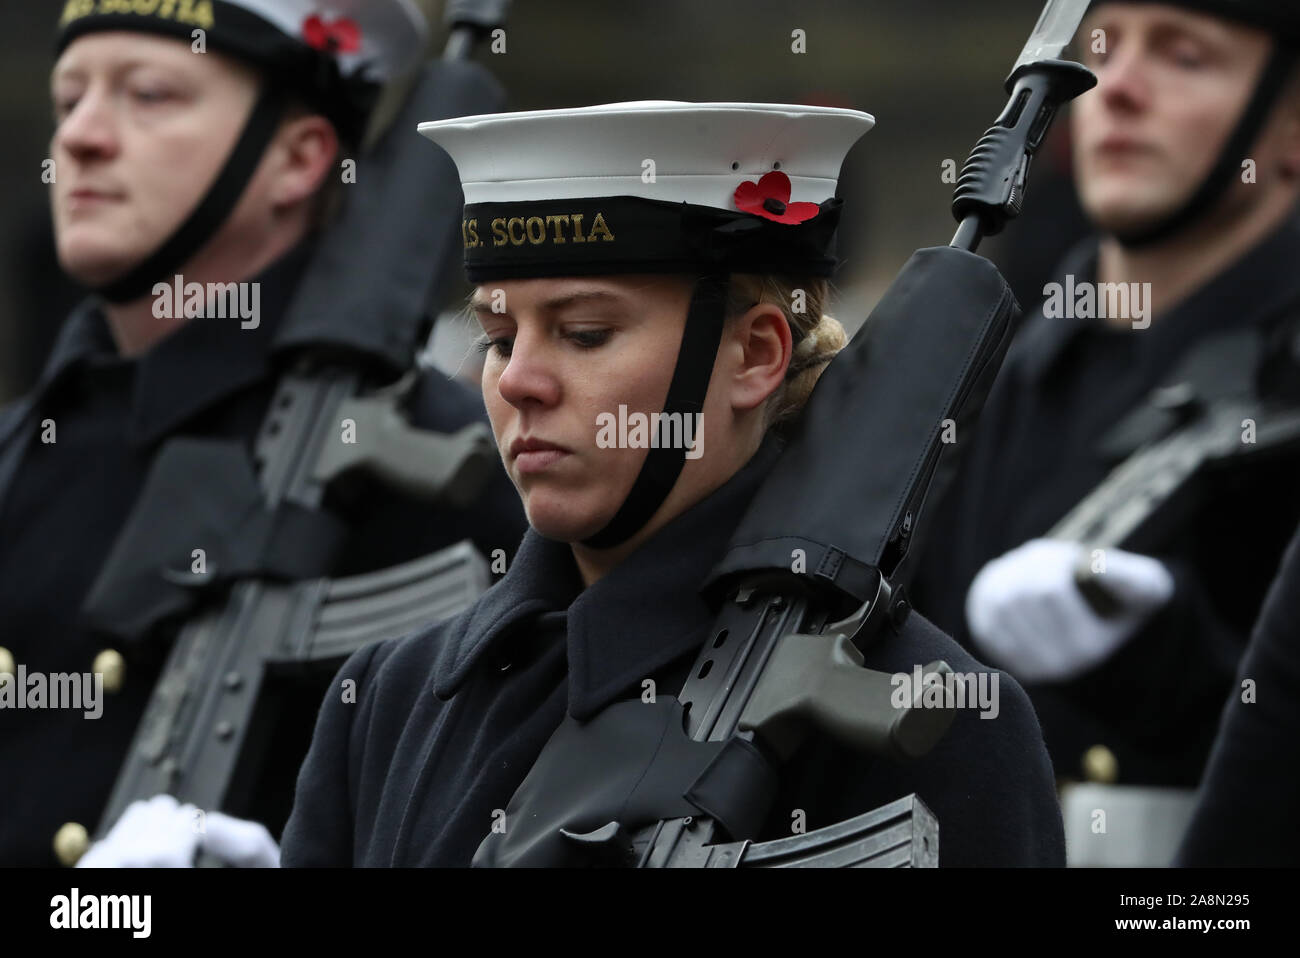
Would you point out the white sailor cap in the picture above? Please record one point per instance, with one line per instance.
(327, 50)
(650, 186)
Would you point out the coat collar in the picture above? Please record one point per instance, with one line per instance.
(1231, 300)
(82, 336)
(640, 617)
(205, 361)
(1043, 342)
(193, 368)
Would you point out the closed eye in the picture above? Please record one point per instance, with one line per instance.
(502, 345)
(582, 338)
(150, 97)
(590, 338)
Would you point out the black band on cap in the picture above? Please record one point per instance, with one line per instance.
(227, 27)
(689, 386)
(236, 31)
(1228, 167)
(1279, 17)
(631, 234)
(212, 210)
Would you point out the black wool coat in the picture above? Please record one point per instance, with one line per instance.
(422, 740)
(1245, 812)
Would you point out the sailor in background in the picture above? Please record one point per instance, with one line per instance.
(203, 140)
(599, 286)
(1187, 161)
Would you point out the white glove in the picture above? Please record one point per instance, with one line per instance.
(1026, 613)
(161, 833)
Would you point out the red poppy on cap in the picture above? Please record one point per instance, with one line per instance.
(770, 199)
(336, 36)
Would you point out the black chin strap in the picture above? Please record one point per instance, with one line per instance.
(1228, 167)
(212, 210)
(690, 384)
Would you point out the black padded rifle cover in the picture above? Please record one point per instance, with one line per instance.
(399, 231)
(869, 448)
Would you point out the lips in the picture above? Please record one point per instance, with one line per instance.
(532, 455)
(533, 444)
(1122, 144)
(90, 193)
(82, 203)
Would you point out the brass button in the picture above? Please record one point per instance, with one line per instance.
(71, 842)
(112, 666)
(1100, 765)
(7, 665)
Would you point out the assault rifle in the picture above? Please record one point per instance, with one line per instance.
(1210, 413)
(784, 660)
(206, 728)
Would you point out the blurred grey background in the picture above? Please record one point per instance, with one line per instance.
(931, 72)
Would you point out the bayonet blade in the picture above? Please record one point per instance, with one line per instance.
(1056, 27)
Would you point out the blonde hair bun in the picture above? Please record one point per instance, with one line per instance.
(811, 356)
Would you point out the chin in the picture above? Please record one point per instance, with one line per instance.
(92, 263)
(553, 518)
(1121, 212)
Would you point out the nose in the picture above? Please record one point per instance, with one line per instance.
(529, 378)
(89, 130)
(1123, 79)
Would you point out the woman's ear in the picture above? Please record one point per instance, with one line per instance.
(307, 147)
(761, 345)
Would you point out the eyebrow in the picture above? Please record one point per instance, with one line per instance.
(557, 303)
(78, 70)
(1168, 30)
(1160, 29)
(75, 72)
